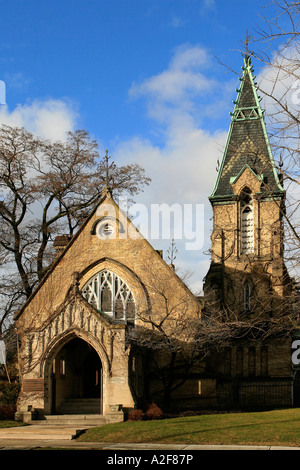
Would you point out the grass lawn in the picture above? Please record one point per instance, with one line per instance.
(277, 428)
(10, 424)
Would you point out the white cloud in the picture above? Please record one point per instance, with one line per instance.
(209, 3)
(280, 86)
(183, 166)
(175, 89)
(49, 119)
(176, 22)
(183, 171)
(17, 81)
(279, 81)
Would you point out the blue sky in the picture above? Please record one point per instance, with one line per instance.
(89, 53)
(143, 77)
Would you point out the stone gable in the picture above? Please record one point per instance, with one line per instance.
(60, 316)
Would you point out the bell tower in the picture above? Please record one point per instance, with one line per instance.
(247, 272)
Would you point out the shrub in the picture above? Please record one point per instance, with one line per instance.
(154, 412)
(9, 393)
(136, 415)
(7, 412)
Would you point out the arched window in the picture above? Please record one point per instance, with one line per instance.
(251, 361)
(247, 296)
(109, 294)
(227, 361)
(247, 222)
(264, 360)
(239, 361)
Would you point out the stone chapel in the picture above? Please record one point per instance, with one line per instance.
(74, 355)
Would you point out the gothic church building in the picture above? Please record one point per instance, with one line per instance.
(74, 353)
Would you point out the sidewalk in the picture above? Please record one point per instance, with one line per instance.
(25, 444)
(64, 437)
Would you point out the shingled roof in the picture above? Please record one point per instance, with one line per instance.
(247, 143)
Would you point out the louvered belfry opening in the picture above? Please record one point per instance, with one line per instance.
(247, 222)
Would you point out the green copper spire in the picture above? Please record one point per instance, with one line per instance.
(247, 142)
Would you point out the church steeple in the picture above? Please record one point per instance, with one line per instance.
(248, 202)
(247, 143)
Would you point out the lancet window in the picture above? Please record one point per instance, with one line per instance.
(109, 294)
(247, 296)
(247, 222)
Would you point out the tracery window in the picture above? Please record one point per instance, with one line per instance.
(247, 222)
(109, 294)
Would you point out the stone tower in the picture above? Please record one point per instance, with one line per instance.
(247, 282)
(247, 273)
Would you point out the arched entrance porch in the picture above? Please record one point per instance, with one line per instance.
(76, 379)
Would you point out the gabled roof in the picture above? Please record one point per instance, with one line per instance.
(234, 178)
(52, 267)
(75, 263)
(247, 141)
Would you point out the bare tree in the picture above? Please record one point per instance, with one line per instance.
(276, 45)
(182, 336)
(47, 189)
(165, 334)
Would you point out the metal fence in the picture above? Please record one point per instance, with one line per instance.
(255, 393)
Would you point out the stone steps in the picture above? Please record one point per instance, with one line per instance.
(80, 406)
(73, 420)
(37, 432)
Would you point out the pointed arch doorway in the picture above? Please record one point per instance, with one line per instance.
(76, 379)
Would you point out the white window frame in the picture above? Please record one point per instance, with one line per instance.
(119, 290)
(247, 222)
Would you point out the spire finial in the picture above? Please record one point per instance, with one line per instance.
(246, 43)
(107, 189)
(107, 168)
(172, 252)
